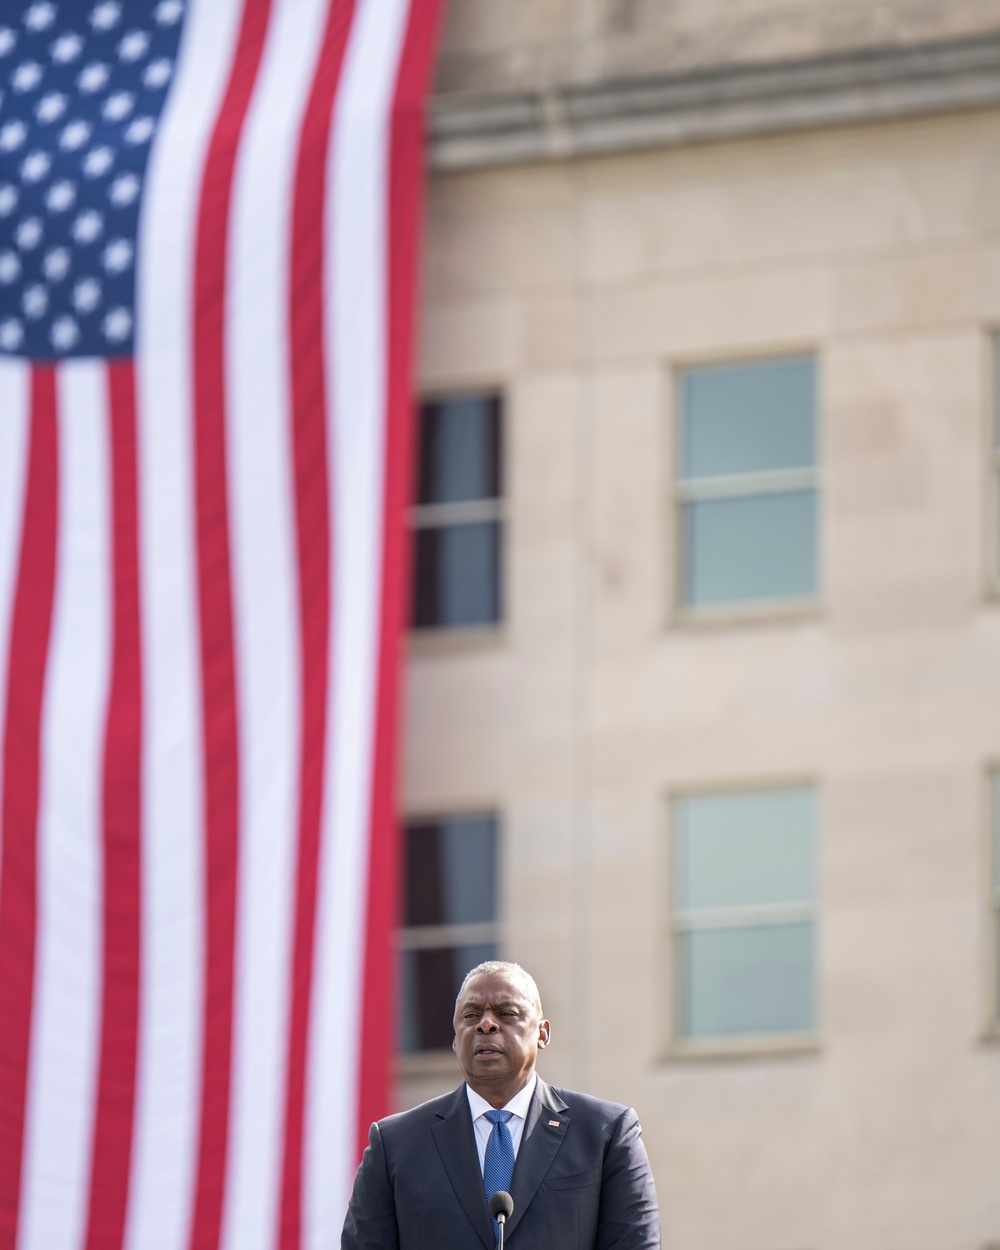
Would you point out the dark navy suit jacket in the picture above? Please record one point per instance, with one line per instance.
(581, 1180)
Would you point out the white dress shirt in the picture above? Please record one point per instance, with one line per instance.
(518, 1106)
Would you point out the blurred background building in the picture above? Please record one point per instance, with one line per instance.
(704, 683)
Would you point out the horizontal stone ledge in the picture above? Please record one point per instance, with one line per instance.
(710, 105)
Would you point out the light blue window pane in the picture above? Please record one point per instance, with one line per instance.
(996, 830)
(747, 418)
(754, 848)
(749, 548)
(428, 983)
(469, 869)
(996, 391)
(749, 980)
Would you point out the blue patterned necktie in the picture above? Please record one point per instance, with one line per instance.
(498, 1166)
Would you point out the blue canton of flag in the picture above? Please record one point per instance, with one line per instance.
(82, 86)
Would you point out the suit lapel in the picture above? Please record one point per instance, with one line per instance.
(540, 1143)
(456, 1144)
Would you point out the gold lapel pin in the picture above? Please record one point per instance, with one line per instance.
(553, 1123)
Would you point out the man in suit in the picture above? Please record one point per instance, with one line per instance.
(575, 1166)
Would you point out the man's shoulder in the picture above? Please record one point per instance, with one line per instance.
(587, 1106)
(423, 1114)
(596, 1110)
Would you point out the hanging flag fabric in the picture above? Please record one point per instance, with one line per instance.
(208, 227)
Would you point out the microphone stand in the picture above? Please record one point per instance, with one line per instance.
(501, 1206)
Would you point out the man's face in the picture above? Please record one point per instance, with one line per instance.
(498, 1034)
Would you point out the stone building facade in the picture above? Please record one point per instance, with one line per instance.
(632, 202)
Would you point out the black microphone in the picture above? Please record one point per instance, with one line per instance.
(501, 1208)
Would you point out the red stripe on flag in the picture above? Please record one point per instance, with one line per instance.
(405, 188)
(31, 623)
(218, 678)
(112, 1145)
(312, 498)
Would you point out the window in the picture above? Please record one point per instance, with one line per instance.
(994, 544)
(995, 898)
(744, 914)
(747, 483)
(449, 921)
(458, 517)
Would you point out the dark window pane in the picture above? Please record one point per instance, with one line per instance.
(747, 980)
(460, 449)
(747, 418)
(429, 981)
(451, 871)
(750, 547)
(457, 575)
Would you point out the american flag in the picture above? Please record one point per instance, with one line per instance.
(208, 225)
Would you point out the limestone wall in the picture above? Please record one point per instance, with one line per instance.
(504, 45)
(578, 290)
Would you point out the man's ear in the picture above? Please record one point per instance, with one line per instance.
(544, 1030)
(454, 1044)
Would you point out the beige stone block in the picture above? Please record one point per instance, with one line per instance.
(820, 196)
(911, 834)
(915, 289)
(486, 235)
(543, 415)
(625, 460)
(549, 329)
(542, 603)
(469, 342)
(989, 286)
(780, 310)
(545, 707)
(450, 698)
(904, 442)
(537, 43)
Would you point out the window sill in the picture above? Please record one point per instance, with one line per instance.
(759, 1046)
(729, 616)
(433, 642)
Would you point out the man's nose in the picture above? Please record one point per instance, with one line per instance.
(487, 1023)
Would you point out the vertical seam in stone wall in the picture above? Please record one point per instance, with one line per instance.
(582, 798)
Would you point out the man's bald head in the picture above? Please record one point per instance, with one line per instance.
(512, 971)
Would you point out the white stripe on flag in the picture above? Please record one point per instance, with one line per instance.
(66, 1017)
(265, 615)
(168, 1076)
(355, 278)
(15, 402)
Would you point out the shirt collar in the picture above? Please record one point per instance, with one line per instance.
(518, 1105)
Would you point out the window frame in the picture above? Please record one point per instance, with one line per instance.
(675, 1045)
(422, 517)
(991, 903)
(683, 491)
(991, 463)
(427, 937)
